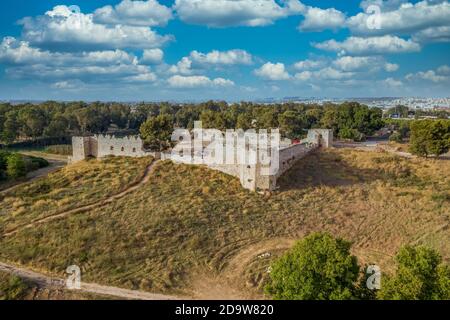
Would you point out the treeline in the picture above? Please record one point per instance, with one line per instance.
(401, 111)
(349, 120)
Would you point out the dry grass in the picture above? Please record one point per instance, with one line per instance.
(189, 221)
(79, 184)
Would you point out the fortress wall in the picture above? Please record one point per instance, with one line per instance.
(290, 155)
(80, 149)
(131, 146)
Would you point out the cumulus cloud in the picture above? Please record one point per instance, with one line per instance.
(273, 71)
(178, 81)
(13, 51)
(198, 60)
(309, 64)
(184, 67)
(152, 56)
(324, 74)
(317, 19)
(430, 75)
(433, 34)
(367, 64)
(226, 13)
(231, 57)
(391, 67)
(369, 46)
(406, 19)
(391, 82)
(66, 30)
(24, 61)
(134, 13)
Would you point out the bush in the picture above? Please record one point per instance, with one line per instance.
(16, 166)
(62, 149)
(430, 137)
(318, 267)
(396, 137)
(420, 275)
(34, 163)
(12, 288)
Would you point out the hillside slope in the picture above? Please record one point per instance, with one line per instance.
(194, 231)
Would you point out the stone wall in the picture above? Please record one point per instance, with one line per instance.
(131, 146)
(100, 146)
(252, 177)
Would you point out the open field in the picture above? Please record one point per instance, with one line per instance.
(196, 232)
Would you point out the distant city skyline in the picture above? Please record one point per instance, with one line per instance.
(196, 50)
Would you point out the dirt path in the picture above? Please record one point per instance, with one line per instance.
(81, 209)
(44, 281)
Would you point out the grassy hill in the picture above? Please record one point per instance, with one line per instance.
(191, 229)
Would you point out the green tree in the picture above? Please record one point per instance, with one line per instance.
(10, 127)
(319, 267)
(292, 124)
(157, 132)
(430, 137)
(420, 275)
(16, 166)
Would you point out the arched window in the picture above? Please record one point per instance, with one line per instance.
(111, 148)
(134, 149)
(122, 149)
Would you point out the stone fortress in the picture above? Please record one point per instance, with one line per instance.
(101, 146)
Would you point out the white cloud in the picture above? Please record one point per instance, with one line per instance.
(67, 85)
(304, 76)
(327, 73)
(13, 51)
(178, 81)
(369, 46)
(152, 56)
(309, 64)
(391, 67)
(273, 71)
(433, 34)
(317, 19)
(226, 13)
(231, 57)
(142, 77)
(184, 67)
(348, 63)
(65, 30)
(429, 75)
(134, 13)
(445, 69)
(24, 61)
(391, 82)
(406, 19)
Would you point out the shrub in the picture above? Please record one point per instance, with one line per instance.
(396, 137)
(16, 167)
(420, 275)
(318, 267)
(12, 288)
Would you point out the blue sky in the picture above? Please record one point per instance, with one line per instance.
(223, 49)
